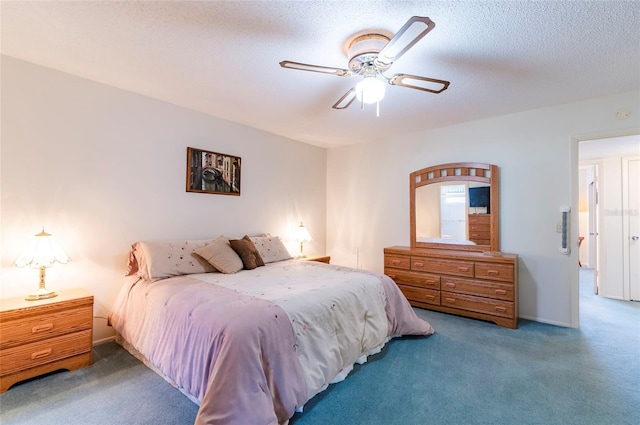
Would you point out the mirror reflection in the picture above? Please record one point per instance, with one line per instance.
(445, 210)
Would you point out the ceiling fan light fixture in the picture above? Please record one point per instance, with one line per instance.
(370, 90)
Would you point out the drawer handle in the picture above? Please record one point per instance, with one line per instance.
(493, 272)
(463, 269)
(501, 292)
(451, 285)
(431, 283)
(419, 264)
(42, 328)
(395, 262)
(450, 300)
(392, 276)
(430, 297)
(501, 309)
(41, 354)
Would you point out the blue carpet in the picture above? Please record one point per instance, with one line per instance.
(469, 372)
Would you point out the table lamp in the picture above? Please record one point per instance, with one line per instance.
(302, 235)
(42, 252)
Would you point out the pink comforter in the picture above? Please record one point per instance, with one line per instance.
(233, 353)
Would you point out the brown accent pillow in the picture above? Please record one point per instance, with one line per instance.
(246, 252)
(259, 260)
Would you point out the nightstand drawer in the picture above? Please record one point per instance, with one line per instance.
(38, 327)
(38, 353)
(494, 271)
(397, 261)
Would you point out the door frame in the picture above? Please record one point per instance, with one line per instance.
(575, 166)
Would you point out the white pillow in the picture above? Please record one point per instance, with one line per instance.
(270, 248)
(221, 256)
(159, 260)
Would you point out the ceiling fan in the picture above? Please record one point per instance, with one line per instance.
(372, 54)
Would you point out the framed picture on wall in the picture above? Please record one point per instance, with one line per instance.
(212, 172)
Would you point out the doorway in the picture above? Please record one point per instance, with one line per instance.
(609, 215)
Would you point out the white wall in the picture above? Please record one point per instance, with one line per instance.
(101, 168)
(368, 191)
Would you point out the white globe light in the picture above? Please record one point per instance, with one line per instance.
(370, 90)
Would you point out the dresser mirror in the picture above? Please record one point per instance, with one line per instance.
(455, 206)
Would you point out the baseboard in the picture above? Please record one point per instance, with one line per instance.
(104, 340)
(547, 322)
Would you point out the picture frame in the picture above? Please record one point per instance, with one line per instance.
(213, 172)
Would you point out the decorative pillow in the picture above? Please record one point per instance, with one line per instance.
(221, 256)
(247, 252)
(253, 248)
(270, 248)
(159, 260)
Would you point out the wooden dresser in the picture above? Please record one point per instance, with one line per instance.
(480, 228)
(472, 284)
(38, 337)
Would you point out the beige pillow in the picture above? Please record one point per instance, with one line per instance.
(153, 260)
(270, 248)
(221, 256)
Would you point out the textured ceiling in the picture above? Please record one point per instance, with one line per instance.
(222, 58)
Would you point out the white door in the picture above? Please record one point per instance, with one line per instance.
(633, 213)
(593, 226)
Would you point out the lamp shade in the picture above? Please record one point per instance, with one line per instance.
(370, 90)
(302, 234)
(42, 251)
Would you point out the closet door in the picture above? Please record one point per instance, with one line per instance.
(631, 167)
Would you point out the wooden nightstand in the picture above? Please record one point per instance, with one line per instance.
(319, 258)
(38, 337)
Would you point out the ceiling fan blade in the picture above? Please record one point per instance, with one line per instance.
(431, 85)
(345, 100)
(411, 32)
(316, 68)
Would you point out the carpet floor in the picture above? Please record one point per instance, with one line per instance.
(469, 372)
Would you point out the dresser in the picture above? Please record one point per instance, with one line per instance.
(467, 283)
(38, 337)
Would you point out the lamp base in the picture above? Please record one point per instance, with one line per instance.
(41, 294)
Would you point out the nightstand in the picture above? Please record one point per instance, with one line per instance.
(319, 258)
(37, 337)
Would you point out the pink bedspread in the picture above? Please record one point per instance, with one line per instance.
(233, 353)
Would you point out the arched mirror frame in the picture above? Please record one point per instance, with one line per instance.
(458, 171)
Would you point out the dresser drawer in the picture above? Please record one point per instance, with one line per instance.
(39, 353)
(478, 304)
(42, 326)
(422, 280)
(397, 261)
(479, 219)
(478, 234)
(453, 267)
(421, 295)
(494, 271)
(498, 291)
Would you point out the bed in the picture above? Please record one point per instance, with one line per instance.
(253, 345)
